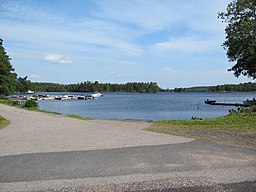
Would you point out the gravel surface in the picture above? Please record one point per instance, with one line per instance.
(36, 132)
(168, 185)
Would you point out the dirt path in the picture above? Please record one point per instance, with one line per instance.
(36, 132)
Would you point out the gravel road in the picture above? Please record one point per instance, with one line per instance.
(36, 132)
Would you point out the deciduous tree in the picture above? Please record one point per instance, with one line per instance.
(240, 42)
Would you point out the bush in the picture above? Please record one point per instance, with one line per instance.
(31, 104)
(250, 109)
(9, 102)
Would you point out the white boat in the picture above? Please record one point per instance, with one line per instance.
(96, 94)
(81, 97)
(63, 97)
(48, 98)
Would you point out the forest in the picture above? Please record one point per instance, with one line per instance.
(89, 86)
(242, 87)
(152, 87)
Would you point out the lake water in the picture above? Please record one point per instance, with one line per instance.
(146, 106)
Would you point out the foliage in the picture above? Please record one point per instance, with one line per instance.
(250, 109)
(31, 104)
(89, 86)
(7, 75)
(242, 87)
(9, 102)
(23, 84)
(240, 43)
(3, 122)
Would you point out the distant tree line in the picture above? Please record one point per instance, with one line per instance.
(242, 87)
(89, 86)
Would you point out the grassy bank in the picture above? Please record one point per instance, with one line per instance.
(16, 104)
(78, 117)
(236, 128)
(3, 122)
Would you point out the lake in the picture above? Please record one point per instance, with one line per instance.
(146, 106)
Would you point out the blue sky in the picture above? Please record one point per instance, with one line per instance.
(172, 42)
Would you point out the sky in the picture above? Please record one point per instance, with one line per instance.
(172, 42)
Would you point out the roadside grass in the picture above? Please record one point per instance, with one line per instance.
(9, 102)
(3, 122)
(39, 110)
(236, 128)
(16, 104)
(78, 117)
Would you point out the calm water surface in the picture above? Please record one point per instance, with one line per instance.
(145, 106)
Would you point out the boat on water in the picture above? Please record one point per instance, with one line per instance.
(208, 101)
(82, 97)
(250, 102)
(40, 97)
(63, 97)
(97, 94)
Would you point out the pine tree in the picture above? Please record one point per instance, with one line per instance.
(8, 78)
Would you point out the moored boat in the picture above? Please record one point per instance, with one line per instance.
(208, 101)
(96, 94)
(250, 102)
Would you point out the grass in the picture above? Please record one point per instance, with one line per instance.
(78, 117)
(16, 104)
(3, 122)
(39, 110)
(237, 128)
(238, 122)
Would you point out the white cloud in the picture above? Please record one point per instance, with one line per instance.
(187, 44)
(55, 58)
(114, 73)
(167, 69)
(155, 15)
(19, 10)
(34, 76)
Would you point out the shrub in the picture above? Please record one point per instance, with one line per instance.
(249, 109)
(31, 103)
(9, 102)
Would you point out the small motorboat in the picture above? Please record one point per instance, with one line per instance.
(250, 102)
(96, 94)
(208, 101)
